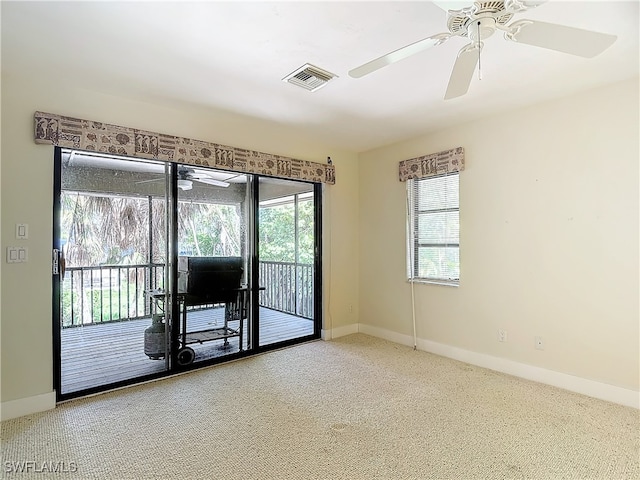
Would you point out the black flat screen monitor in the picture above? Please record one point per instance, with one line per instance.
(212, 278)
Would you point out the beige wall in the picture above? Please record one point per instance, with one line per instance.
(549, 229)
(549, 238)
(27, 193)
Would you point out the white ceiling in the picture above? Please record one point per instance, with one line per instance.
(232, 56)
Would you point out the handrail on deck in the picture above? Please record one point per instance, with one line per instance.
(112, 293)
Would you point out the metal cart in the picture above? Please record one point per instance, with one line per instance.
(235, 309)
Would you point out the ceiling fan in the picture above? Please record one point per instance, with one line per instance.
(186, 177)
(481, 20)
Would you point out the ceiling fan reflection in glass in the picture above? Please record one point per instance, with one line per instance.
(187, 175)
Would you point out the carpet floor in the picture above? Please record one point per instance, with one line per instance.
(353, 408)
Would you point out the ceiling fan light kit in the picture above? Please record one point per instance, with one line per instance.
(185, 184)
(186, 177)
(478, 22)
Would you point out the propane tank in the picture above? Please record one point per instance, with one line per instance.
(154, 338)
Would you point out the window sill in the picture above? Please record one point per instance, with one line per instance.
(443, 283)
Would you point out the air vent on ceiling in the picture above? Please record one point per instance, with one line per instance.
(309, 77)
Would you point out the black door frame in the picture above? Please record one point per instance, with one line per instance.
(254, 345)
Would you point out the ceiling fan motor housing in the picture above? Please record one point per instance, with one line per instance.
(481, 28)
(478, 21)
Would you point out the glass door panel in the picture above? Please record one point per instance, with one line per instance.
(286, 251)
(112, 231)
(212, 264)
(170, 265)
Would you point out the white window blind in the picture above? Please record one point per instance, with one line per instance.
(434, 228)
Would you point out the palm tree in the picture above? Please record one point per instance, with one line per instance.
(109, 230)
(209, 229)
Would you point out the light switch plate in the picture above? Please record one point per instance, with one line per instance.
(22, 230)
(17, 254)
(12, 255)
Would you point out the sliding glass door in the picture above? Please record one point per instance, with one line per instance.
(212, 294)
(287, 246)
(161, 267)
(110, 254)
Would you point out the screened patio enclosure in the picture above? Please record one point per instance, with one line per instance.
(122, 225)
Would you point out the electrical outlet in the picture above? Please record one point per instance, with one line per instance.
(539, 343)
(502, 335)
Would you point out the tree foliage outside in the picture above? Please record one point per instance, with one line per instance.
(115, 231)
(109, 230)
(209, 230)
(112, 230)
(277, 233)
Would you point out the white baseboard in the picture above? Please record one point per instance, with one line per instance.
(340, 331)
(591, 388)
(27, 406)
(603, 391)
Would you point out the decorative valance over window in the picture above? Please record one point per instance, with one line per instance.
(431, 165)
(52, 129)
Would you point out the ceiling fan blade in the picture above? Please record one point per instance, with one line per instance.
(399, 54)
(447, 5)
(211, 181)
(150, 181)
(513, 6)
(575, 41)
(462, 71)
(519, 6)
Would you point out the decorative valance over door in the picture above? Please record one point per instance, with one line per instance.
(52, 129)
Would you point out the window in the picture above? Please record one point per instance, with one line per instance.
(434, 229)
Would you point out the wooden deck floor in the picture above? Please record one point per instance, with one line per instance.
(97, 355)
